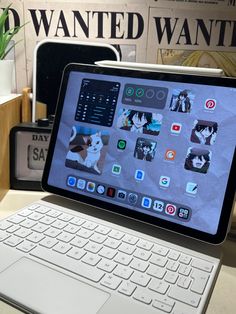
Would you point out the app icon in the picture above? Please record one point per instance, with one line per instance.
(146, 202)
(111, 192)
(139, 92)
(176, 128)
(121, 194)
(139, 175)
(129, 91)
(191, 188)
(71, 181)
(170, 209)
(132, 198)
(210, 104)
(183, 213)
(164, 181)
(81, 184)
(116, 169)
(100, 189)
(121, 144)
(91, 186)
(170, 154)
(158, 206)
(198, 160)
(204, 132)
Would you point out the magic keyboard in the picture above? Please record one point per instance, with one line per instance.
(166, 279)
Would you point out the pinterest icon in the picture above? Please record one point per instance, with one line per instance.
(210, 104)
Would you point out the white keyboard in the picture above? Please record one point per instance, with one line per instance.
(147, 272)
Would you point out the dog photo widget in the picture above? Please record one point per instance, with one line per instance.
(198, 160)
(87, 149)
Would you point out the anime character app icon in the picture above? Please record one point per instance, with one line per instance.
(198, 160)
(139, 121)
(181, 101)
(145, 149)
(87, 149)
(204, 132)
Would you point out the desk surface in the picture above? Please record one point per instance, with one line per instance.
(223, 298)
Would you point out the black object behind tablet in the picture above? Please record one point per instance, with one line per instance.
(51, 57)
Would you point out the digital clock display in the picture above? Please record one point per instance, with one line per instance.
(37, 156)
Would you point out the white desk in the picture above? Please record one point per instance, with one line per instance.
(223, 299)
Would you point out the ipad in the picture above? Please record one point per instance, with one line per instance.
(157, 147)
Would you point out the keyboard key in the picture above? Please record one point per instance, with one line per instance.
(112, 243)
(184, 295)
(106, 265)
(71, 228)
(40, 209)
(126, 248)
(16, 219)
(108, 252)
(13, 241)
(123, 258)
(84, 233)
(47, 220)
(184, 282)
(160, 250)
(103, 230)
(48, 242)
(184, 270)
(158, 260)
(35, 216)
(4, 225)
(76, 253)
(65, 237)
(165, 300)
(25, 246)
(140, 279)
(200, 280)
(146, 245)
(172, 265)
(65, 217)
(91, 273)
(130, 239)
(98, 238)
(52, 232)
(13, 229)
(35, 237)
(123, 272)
(171, 277)
(185, 259)
(93, 247)
(53, 213)
(59, 224)
(4, 235)
(142, 296)
(158, 286)
(116, 234)
(22, 232)
(34, 206)
(41, 228)
(77, 221)
(89, 225)
(26, 212)
(202, 265)
(110, 281)
(28, 223)
(142, 254)
(156, 271)
(62, 248)
(173, 255)
(127, 288)
(139, 265)
(91, 259)
(161, 306)
(79, 242)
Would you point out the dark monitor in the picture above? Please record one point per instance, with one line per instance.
(50, 58)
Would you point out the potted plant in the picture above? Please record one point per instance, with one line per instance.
(6, 45)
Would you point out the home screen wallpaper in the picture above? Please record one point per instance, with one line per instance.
(158, 147)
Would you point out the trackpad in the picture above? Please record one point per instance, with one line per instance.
(45, 290)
